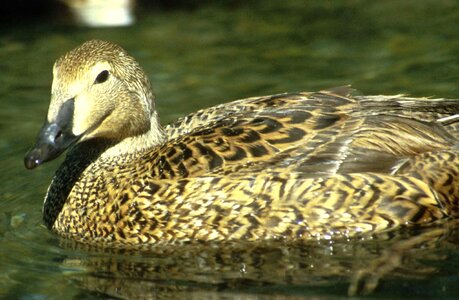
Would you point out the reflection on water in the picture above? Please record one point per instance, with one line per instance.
(206, 56)
(264, 268)
(299, 268)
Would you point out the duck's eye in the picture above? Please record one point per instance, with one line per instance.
(102, 77)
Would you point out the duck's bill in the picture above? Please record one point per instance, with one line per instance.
(54, 137)
(51, 142)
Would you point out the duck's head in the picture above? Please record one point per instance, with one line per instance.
(98, 91)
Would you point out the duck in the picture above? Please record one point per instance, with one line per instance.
(294, 166)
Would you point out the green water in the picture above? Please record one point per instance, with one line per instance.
(209, 55)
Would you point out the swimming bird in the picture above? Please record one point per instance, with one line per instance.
(308, 165)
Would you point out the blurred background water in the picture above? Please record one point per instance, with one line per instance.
(202, 53)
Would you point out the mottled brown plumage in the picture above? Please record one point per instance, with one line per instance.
(295, 166)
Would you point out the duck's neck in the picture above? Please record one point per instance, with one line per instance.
(87, 153)
(139, 143)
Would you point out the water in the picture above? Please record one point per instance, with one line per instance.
(202, 57)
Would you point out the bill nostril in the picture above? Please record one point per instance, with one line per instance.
(59, 135)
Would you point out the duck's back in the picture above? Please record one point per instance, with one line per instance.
(318, 134)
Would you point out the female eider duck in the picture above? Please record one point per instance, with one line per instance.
(292, 166)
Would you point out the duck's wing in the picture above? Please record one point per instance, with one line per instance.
(249, 133)
(317, 134)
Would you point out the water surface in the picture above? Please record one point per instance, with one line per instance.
(209, 55)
